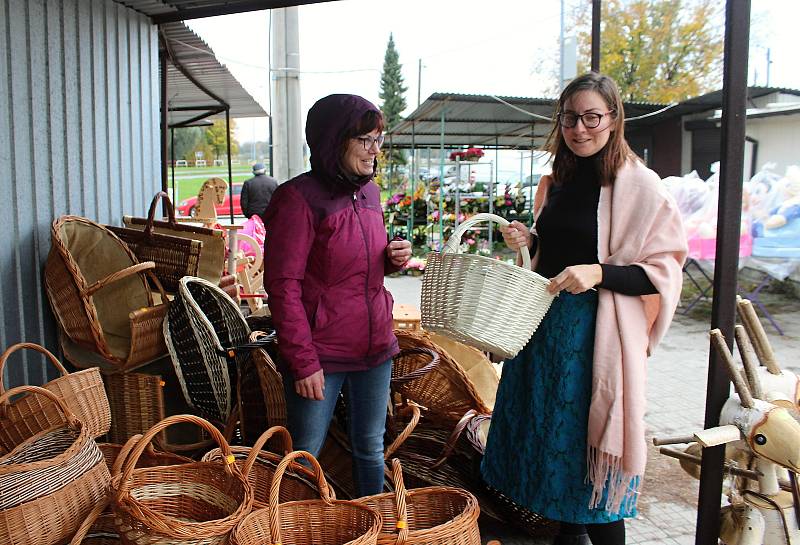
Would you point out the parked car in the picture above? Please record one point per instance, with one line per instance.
(187, 206)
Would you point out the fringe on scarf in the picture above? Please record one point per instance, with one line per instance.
(606, 475)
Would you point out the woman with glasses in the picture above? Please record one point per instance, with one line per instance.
(326, 254)
(567, 436)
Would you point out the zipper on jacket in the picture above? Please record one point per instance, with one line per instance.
(366, 282)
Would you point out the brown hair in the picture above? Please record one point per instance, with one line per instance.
(371, 120)
(616, 151)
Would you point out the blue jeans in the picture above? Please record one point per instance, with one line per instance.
(367, 396)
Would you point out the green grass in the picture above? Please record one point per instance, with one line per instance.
(190, 188)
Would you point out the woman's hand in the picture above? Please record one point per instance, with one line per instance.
(312, 387)
(576, 279)
(398, 252)
(516, 235)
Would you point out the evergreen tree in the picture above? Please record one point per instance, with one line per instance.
(392, 90)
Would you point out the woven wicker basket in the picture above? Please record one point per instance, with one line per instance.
(326, 521)
(175, 257)
(480, 301)
(259, 466)
(203, 331)
(426, 516)
(82, 393)
(137, 404)
(188, 504)
(50, 482)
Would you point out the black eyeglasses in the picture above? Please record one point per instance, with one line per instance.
(368, 141)
(590, 120)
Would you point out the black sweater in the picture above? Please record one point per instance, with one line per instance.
(567, 234)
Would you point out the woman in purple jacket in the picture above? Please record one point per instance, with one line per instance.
(325, 257)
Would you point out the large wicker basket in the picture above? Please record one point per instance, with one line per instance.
(191, 504)
(82, 393)
(259, 465)
(325, 521)
(50, 482)
(480, 301)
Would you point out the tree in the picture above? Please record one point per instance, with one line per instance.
(217, 138)
(656, 50)
(185, 138)
(392, 90)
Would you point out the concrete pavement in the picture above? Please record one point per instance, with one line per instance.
(677, 375)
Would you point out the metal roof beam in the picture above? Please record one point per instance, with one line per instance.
(226, 9)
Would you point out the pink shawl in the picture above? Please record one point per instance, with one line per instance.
(638, 223)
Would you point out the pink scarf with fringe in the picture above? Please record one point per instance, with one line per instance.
(638, 223)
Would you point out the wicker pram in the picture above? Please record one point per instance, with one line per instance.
(207, 339)
(101, 299)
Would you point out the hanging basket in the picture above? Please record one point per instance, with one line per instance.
(480, 301)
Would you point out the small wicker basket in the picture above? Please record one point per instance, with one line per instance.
(436, 515)
(480, 301)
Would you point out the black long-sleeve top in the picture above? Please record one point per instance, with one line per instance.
(567, 234)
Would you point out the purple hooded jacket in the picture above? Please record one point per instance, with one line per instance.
(325, 256)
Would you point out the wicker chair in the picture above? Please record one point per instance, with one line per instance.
(100, 297)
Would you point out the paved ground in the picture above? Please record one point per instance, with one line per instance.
(677, 376)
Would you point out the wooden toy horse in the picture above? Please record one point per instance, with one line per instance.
(769, 433)
(211, 194)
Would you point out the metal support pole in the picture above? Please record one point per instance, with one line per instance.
(230, 170)
(596, 14)
(162, 57)
(441, 182)
(413, 183)
(172, 160)
(723, 309)
(458, 188)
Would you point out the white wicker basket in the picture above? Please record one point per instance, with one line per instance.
(480, 301)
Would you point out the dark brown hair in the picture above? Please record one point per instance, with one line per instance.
(371, 120)
(616, 151)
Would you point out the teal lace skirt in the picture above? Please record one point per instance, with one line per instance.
(536, 450)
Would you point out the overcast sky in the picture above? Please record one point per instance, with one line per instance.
(466, 46)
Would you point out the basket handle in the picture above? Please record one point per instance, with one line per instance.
(452, 244)
(133, 458)
(72, 420)
(454, 435)
(417, 373)
(262, 440)
(31, 346)
(90, 519)
(415, 415)
(400, 502)
(125, 452)
(275, 486)
(118, 275)
(151, 214)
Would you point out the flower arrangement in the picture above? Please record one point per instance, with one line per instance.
(469, 154)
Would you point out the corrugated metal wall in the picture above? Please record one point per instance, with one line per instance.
(79, 131)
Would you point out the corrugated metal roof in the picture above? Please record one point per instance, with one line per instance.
(484, 120)
(161, 11)
(188, 51)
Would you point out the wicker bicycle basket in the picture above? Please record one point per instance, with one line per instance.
(82, 393)
(426, 516)
(195, 503)
(325, 521)
(480, 301)
(259, 466)
(51, 481)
